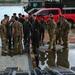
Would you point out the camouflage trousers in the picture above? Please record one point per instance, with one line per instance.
(52, 42)
(65, 40)
(17, 44)
(3, 45)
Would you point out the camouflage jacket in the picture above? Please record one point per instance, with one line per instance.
(2, 31)
(18, 29)
(51, 27)
(65, 27)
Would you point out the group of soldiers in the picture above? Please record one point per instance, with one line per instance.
(21, 27)
(58, 32)
(17, 28)
(11, 30)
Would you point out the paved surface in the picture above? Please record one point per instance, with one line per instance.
(15, 61)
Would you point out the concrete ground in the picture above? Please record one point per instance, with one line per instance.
(20, 61)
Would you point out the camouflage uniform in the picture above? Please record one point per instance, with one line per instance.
(58, 32)
(65, 32)
(17, 37)
(3, 37)
(51, 27)
(20, 38)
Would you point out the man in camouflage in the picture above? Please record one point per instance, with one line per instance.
(58, 30)
(51, 27)
(65, 31)
(3, 35)
(20, 38)
(17, 36)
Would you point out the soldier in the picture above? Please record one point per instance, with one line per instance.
(7, 30)
(26, 30)
(9, 34)
(35, 38)
(23, 17)
(12, 19)
(17, 35)
(31, 21)
(20, 19)
(58, 30)
(30, 18)
(65, 31)
(3, 35)
(35, 32)
(42, 29)
(51, 27)
(20, 38)
(14, 14)
(5, 16)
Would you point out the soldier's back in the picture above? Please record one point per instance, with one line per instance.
(65, 26)
(53, 27)
(58, 24)
(20, 28)
(16, 28)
